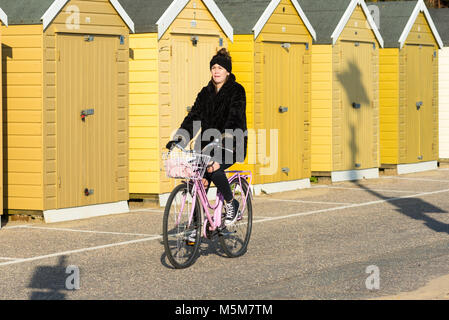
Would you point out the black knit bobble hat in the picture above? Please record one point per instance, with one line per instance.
(222, 60)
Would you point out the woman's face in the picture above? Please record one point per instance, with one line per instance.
(219, 74)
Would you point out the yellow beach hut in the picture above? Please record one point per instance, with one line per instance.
(271, 58)
(408, 87)
(345, 96)
(4, 21)
(66, 107)
(169, 64)
(441, 20)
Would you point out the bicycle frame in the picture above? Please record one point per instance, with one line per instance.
(199, 190)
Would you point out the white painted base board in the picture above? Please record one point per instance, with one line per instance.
(77, 213)
(349, 175)
(417, 167)
(276, 187)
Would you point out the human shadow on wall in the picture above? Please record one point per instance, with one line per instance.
(352, 81)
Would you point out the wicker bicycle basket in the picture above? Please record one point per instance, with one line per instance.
(185, 165)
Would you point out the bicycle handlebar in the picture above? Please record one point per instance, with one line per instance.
(215, 143)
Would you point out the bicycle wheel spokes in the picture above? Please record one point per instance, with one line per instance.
(179, 248)
(234, 238)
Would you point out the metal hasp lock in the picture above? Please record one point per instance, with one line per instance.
(85, 113)
(283, 109)
(189, 109)
(286, 46)
(89, 38)
(358, 165)
(88, 192)
(286, 170)
(194, 40)
(356, 105)
(418, 105)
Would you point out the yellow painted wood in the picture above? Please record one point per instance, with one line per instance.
(357, 28)
(242, 52)
(144, 113)
(413, 126)
(1, 127)
(344, 138)
(34, 147)
(278, 73)
(88, 161)
(103, 20)
(421, 32)
(389, 105)
(356, 87)
(407, 76)
(321, 130)
(22, 101)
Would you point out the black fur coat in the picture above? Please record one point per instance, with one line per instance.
(223, 110)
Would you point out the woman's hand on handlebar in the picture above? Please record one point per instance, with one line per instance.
(213, 166)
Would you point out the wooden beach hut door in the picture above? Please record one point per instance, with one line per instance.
(190, 56)
(355, 79)
(419, 109)
(86, 119)
(283, 108)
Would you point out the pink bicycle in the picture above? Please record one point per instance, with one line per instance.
(187, 216)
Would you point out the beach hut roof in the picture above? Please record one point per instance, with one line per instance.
(152, 16)
(44, 11)
(441, 19)
(250, 16)
(397, 19)
(329, 18)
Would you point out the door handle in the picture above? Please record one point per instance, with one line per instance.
(85, 113)
(283, 109)
(418, 105)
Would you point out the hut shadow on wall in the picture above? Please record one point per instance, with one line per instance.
(6, 53)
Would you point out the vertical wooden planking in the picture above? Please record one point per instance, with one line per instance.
(413, 138)
(427, 121)
(443, 93)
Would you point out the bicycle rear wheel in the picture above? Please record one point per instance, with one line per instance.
(234, 239)
(176, 229)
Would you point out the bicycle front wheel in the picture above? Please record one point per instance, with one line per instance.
(181, 239)
(234, 239)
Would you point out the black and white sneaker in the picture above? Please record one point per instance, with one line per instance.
(232, 209)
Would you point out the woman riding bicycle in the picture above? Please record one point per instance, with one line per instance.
(221, 105)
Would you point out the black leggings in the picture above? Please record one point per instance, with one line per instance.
(221, 181)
